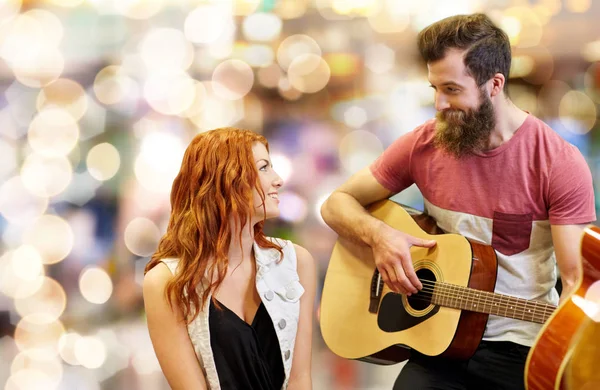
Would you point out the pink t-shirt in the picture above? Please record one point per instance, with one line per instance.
(507, 197)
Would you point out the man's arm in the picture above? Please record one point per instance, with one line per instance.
(344, 211)
(567, 246)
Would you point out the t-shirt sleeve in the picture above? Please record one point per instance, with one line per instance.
(392, 169)
(571, 192)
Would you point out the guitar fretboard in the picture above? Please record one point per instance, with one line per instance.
(464, 298)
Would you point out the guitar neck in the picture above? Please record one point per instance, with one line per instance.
(464, 298)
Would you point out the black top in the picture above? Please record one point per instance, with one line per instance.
(246, 356)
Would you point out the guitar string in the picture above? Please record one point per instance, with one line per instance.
(520, 309)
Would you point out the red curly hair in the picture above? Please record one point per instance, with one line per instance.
(215, 183)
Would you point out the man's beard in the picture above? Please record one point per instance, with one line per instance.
(464, 132)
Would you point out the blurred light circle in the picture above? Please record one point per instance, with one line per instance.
(17, 204)
(112, 85)
(51, 367)
(523, 97)
(30, 379)
(46, 177)
(103, 161)
(232, 79)
(543, 65)
(159, 161)
(295, 46)
(358, 149)
(259, 55)
(50, 299)
(66, 94)
(40, 68)
(170, 93)
(287, 91)
(52, 236)
(36, 332)
(207, 23)
(578, 6)
(530, 29)
(21, 31)
(138, 9)
(198, 104)
(66, 347)
(386, 21)
(591, 51)
(282, 165)
(309, 73)
(9, 9)
(66, 3)
(550, 96)
(291, 9)
(142, 236)
(577, 106)
(164, 49)
(12, 284)
(245, 7)
(591, 80)
(269, 76)
(50, 24)
(380, 58)
(262, 27)
(355, 116)
(8, 159)
(293, 208)
(95, 285)
(90, 352)
(521, 66)
(27, 263)
(53, 132)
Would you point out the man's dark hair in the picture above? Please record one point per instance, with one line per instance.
(487, 46)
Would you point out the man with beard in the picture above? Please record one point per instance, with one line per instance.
(489, 171)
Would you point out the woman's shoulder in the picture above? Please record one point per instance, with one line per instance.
(158, 276)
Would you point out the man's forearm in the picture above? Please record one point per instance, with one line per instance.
(349, 219)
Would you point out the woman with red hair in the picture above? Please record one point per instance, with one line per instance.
(228, 307)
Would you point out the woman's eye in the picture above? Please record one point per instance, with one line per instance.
(263, 168)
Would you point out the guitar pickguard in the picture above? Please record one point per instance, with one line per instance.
(393, 316)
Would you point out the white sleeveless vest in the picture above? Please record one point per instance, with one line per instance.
(279, 288)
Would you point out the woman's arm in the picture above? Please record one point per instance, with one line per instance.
(168, 332)
(300, 377)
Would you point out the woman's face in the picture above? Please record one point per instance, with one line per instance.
(270, 183)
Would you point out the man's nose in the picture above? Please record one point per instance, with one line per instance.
(441, 103)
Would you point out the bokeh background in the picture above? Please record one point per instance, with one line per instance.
(99, 98)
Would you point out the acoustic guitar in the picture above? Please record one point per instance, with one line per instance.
(361, 318)
(566, 352)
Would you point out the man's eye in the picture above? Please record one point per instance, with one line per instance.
(453, 90)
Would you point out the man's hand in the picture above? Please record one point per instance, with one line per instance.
(391, 251)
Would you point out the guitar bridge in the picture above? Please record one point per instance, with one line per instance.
(376, 289)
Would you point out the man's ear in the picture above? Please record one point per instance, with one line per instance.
(497, 83)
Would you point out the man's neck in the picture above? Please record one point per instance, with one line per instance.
(509, 119)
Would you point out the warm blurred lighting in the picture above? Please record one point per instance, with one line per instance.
(66, 347)
(166, 49)
(591, 81)
(103, 161)
(8, 159)
(51, 236)
(512, 27)
(578, 6)
(391, 18)
(30, 379)
(550, 96)
(66, 94)
(269, 76)
(95, 285)
(577, 112)
(521, 66)
(216, 111)
(291, 9)
(142, 236)
(258, 55)
(50, 299)
(262, 27)
(591, 51)
(355, 116)
(342, 64)
(53, 132)
(45, 176)
(380, 58)
(543, 68)
(293, 208)
(112, 85)
(295, 46)
(29, 361)
(207, 23)
(287, 91)
(139, 9)
(158, 162)
(523, 97)
(27, 263)
(36, 332)
(66, 3)
(358, 149)
(354, 7)
(170, 93)
(309, 73)
(90, 351)
(232, 79)
(12, 282)
(9, 9)
(245, 7)
(282, 165)
(522, 26)
(17, 204)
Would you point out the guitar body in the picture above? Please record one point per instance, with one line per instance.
(576, 316)
(384, 329)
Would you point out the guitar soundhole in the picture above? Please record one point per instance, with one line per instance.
(422, 299)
